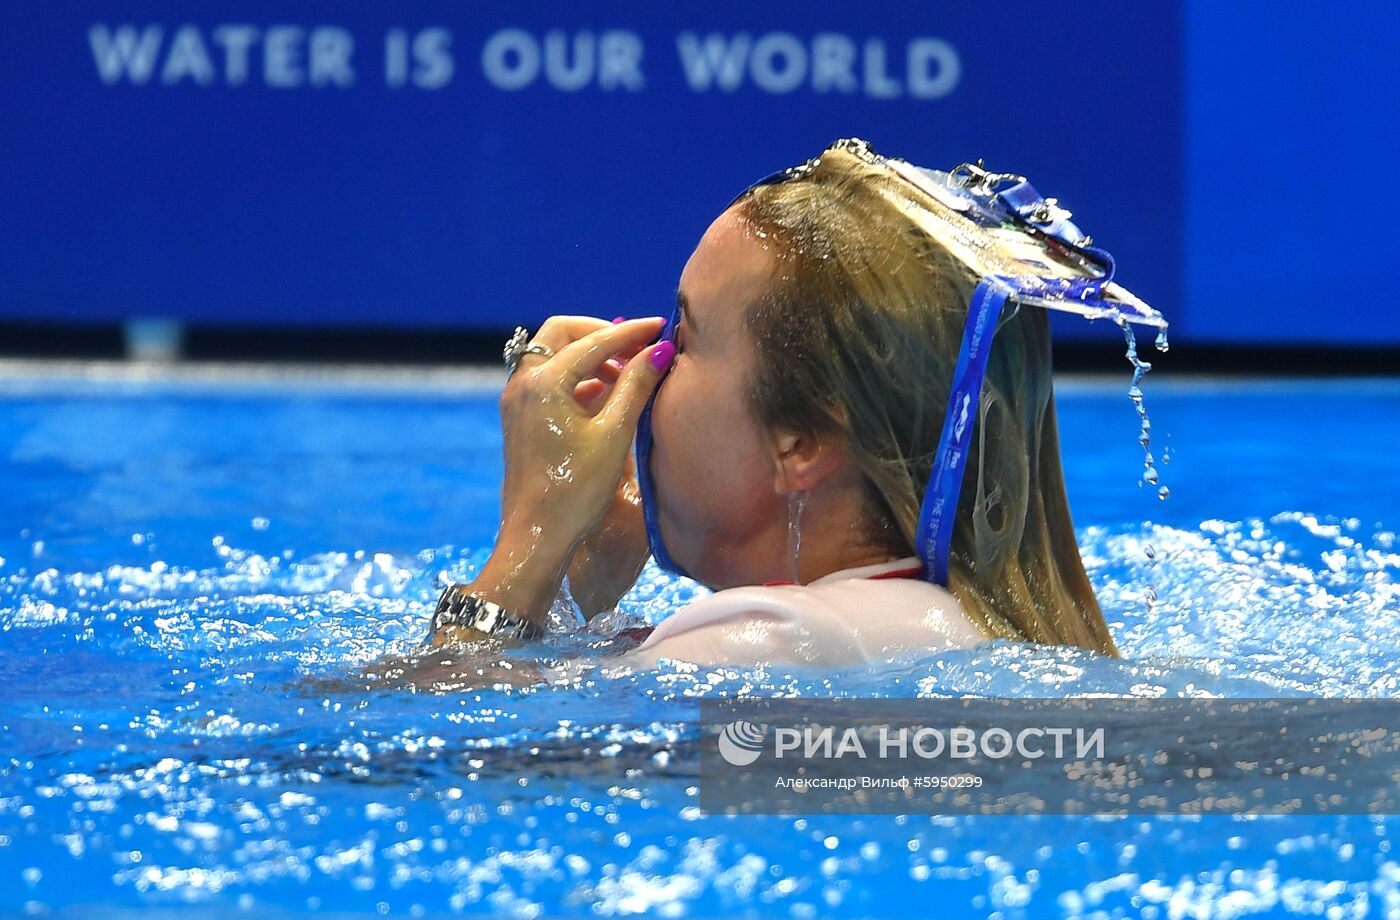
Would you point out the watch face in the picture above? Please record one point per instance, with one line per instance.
(487, 616)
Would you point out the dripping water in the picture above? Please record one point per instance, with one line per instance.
(1150, 476)
(1163, 346)
(795, 504)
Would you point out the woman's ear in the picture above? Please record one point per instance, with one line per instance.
(801, 461)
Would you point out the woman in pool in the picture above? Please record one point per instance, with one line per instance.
(795, 420)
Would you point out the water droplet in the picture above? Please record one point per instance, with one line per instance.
(1161, 343)
(1164, 493)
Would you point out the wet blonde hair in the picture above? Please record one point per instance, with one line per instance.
(858, 338)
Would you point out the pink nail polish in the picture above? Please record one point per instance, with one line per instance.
(662, 355)
(619, 319)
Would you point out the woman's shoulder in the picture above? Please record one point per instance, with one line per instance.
(865, 614)
(896, 616)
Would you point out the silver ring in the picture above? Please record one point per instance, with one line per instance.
(519, 345)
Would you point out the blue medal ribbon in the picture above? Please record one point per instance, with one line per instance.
(644, 481)
(940, 506)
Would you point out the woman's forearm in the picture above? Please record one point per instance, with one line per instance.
(599, 576)
(524, 572)
(609, 558)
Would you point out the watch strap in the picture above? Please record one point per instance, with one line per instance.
(460, 609)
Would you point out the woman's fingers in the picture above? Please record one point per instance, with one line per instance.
(611, 369)
(589, 393)
(638, 381)
(558, 332)
(583, 358)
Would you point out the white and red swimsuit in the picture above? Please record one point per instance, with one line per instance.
(871, 613)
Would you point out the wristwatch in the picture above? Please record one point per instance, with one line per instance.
(467, 611)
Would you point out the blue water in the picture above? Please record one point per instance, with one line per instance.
(190, 574)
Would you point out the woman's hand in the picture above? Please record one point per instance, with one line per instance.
(611, 555)
(568, 421)
(564, 456)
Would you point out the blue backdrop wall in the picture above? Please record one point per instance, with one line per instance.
(436, 164)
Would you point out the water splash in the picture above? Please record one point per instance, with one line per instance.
(581, 791)
(162, 752)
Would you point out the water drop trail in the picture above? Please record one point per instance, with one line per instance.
(1150, 475)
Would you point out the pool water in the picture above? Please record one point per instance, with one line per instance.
(190, 571)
